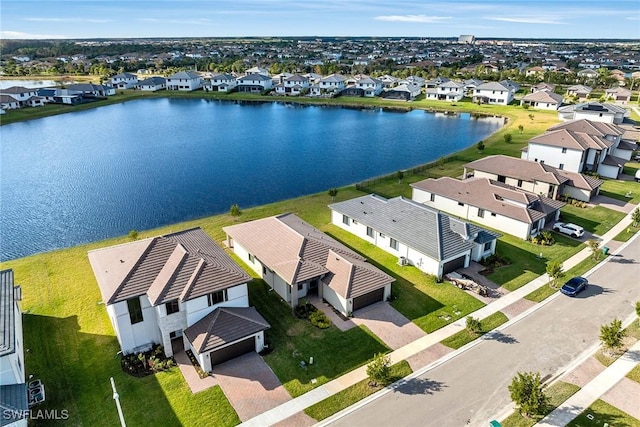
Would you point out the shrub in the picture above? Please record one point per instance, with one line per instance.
(527, 392)
(612, 335)
(473, 325)
(319, 319)
(379, 369)
(235, 210)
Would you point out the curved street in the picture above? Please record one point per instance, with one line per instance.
(471, 388)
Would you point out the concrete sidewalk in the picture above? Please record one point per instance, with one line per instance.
(320, 393)
(592, 391)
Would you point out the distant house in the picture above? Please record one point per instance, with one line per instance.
(433, 241)
(297, 260)
(61, 96)
(91, 90)
(535, 177)
(535, 71)
(451, 91)
(8, 102)
(582, 146)
(434, 83)
(405, 92)
(500, 93)
(294, 85)
(388, 81)
(19, 93)
(185, 81)
(542, 100)
(223, 82)
(490, 203)
(412, 79)
(178, 290)
(619, 95)
(581, 92)
(470, 86)
(548, 87)
(594, 111)
(124, 81)
(152, 84)
(588, 74)
(254, 83)
(370, 86)
(14, 400)
(258, 70)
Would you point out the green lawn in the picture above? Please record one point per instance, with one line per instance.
(604, 414)
(353, 394)
(626, 234)
(631, 168)
(294, 340)
(526, 262)
(418, 296)
(620, 189)
(634, 374)
(557, 393)
(597, 219)
(463, 337)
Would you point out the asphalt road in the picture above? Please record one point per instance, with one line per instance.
(471, 388)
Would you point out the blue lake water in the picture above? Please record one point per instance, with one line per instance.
(89, 175)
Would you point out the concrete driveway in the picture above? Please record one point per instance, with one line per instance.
(388, 324)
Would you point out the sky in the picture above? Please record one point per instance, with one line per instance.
(559, 19)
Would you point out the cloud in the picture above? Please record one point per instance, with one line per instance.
(89, 20)
(422, 19)
(525, 20)
(20, 35)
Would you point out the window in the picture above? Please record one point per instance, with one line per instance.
(345, 220)
(487, 246)
(564, 150)
(381, 235)
(480, 213)
(264, 270)
(370, 232)
(460, 204)
(135, 310)
(300, 286)
(493, 214)
(561, 166)
(252, 259)
(172, 307)
(519, 183)
(216, 297)
(393, 243)
(432, 197)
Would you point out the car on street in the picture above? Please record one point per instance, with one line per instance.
(574, 286)
(572, 230)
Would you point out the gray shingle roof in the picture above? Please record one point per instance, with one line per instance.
(427, 230)
(185, 75)
(182, 265)
(7, 313)
(225, 325)
(13, 403)
(152, 81)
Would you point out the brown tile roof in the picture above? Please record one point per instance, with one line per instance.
(513, 167)
(182, 265)
(492, 197)
(352, 278)
(573, 140)
(224, 325)
(543, 96)
(296, 251)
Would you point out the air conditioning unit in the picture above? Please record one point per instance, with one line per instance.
(402, 261)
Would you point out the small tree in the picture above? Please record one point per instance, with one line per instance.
(480, 146)
(133, 235)
(507, 138)
(333, 192)
(521, 128)
(531, 117)
(612, 335)
(473, 325)
(635, 217)
(379, 369)
(555, 272)
(527, 392)
(235, 210)
(441, 162)
(594, 245)
(400, 175)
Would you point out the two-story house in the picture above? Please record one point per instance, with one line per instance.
(594, 111)
(223, 82)
(296, 260)
(254, 83)
(333, 83)
(186, 81)
(293, 85)
(124, 81)
(370, 86)
(173, 290)
(499, 93)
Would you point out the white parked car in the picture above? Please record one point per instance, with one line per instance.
(568, 228)
(638, 175)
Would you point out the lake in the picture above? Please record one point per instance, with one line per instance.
(35, 84)
(93, 174)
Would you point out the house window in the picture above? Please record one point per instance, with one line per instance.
(370, 232)
(216, 297)
(564, 150)
(519, 183)
(487, 246)
(480, 213)
(172, 307)
(393, 243)
(264, 270)
(432, 197)
(135, 310)
(460, 204)
(252, 259)
(300, 286)
(561, 166)
(381, 235)
(345, 220)
(493, 214)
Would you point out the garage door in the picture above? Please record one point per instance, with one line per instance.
(453, 265)
(234, 350)
(368, 299)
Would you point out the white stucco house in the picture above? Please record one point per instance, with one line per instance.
(542, 100)
(333, 83)
(451, 91)
(254, 83)
(152, 84)
(371, 86)
(404, 91)
(418, 235)
(618, 95)
(91, 90)
(293, 85)
(223, 82)
(582, 146)
(174, 290)
(124, 81)
(580, 92)
(19, 93)
(14, 401)
(595, 112)
(186, 81)
(296, 260)
(500, 93)
(489, 203)
(535, 177)
(8, 102)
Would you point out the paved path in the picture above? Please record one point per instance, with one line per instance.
(414, 350)
(592, 391)
(388, 324)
